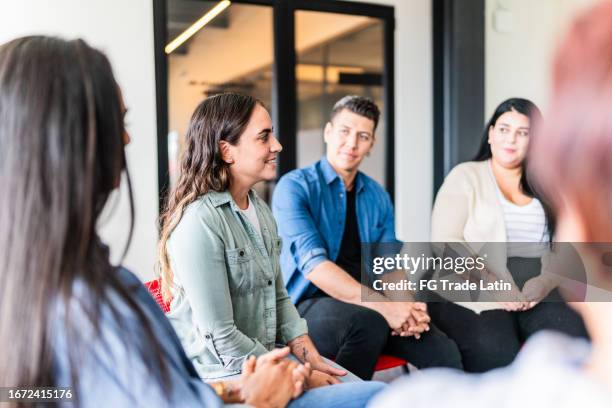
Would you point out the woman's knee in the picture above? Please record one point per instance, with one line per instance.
(552, 316)
(488, 353)
(449, 354)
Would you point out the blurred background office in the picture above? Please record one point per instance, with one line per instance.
(437, 68)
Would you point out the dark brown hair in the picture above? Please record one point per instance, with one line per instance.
(218, 118)
(359, 105)
(61, 155)
(526, 184)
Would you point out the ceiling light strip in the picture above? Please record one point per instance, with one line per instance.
(197, 26)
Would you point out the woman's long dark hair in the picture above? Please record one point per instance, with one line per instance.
(61, 155)
(218, 118)
(529, 109)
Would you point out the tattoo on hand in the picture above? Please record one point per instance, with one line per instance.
(298, 344)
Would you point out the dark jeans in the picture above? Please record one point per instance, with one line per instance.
(355, 336)
(493, 338)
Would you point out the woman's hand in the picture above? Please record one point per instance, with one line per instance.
(321, 379)
(514, 306)
(300, 372)
(303, 348)
(536, 289)
(267, 382)
(325, 368)
(519, 304)
(301, 376)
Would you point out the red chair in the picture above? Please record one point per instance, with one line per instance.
(385, 362)
(154, 288)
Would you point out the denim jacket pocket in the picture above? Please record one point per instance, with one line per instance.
(240, 269)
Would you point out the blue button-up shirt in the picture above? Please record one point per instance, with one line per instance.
(309, 205)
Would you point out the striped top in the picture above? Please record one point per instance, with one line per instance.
(526, 230)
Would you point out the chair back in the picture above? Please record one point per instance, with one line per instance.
(154, 288)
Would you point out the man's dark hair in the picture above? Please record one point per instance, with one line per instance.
(357, 104)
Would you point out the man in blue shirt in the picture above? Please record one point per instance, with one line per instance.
(324, 213)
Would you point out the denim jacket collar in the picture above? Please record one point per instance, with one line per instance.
(329, 174)
(218, 198)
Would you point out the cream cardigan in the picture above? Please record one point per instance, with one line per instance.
(467, 210)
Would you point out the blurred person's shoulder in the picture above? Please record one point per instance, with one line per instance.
(547, 373)
(129, 283)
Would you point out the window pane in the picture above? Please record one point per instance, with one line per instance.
(220, 57)
(337, 55)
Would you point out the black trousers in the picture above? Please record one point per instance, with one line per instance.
(355, 336)
(493, 338)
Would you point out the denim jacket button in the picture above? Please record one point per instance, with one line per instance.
(207, 336)
(269, 282)
(241, 253)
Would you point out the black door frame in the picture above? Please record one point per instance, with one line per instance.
(458, 39)
(282, 96)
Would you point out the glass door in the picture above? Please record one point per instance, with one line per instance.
(297, 56)
(337, 55)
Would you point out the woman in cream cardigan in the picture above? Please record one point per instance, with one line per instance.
(488, 201)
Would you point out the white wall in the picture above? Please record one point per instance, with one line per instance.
(413, 117)
(236, 45)
(518, 62)
(124, 30)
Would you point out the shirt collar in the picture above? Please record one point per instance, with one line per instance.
(329, 174)
(218, 198)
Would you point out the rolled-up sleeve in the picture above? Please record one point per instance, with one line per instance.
(311, 259)
(198, 260)
(296, 225)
